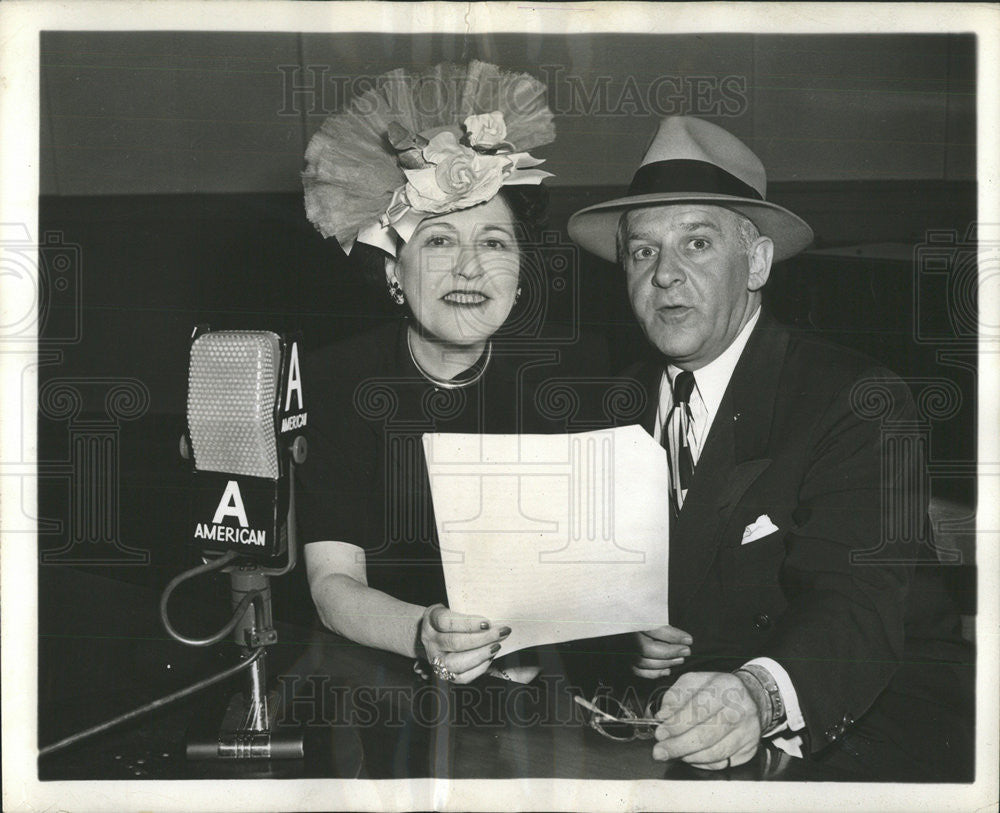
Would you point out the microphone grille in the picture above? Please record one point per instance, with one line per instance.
(232, 396)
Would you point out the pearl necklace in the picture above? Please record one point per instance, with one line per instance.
(451, 384)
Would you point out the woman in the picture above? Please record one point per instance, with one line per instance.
(447, 238)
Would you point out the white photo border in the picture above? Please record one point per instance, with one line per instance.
(20, 25)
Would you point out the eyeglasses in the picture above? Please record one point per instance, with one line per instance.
(616, 721)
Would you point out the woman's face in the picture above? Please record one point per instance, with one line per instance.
(459, 272)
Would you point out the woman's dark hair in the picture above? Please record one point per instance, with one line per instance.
(527, 203)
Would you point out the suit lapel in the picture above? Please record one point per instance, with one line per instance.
(732, 459)
(754, 388)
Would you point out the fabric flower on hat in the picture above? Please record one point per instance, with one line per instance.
(367, 177)
(459, 178)
(487, 130)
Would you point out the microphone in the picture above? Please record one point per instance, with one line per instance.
(245, 411)
(245, 415)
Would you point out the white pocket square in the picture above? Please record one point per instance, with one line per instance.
(760, 527)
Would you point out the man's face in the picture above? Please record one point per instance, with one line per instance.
(692, 283)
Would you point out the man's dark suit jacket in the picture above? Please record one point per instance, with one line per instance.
(823, 442)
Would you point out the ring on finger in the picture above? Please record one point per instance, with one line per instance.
(437, 664)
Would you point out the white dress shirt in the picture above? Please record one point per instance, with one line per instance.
(710, 383)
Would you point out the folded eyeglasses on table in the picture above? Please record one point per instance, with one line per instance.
(616, 720)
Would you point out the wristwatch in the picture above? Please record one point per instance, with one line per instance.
(771, 694)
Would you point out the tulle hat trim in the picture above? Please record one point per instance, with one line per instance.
(421, 144)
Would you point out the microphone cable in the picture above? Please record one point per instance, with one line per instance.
(208, 567)
(156, 704)
(246, 663)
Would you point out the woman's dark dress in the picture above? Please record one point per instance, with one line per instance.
(365, 481)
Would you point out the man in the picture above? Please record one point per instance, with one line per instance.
(790, 619)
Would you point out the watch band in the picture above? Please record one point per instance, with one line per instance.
(766, 681)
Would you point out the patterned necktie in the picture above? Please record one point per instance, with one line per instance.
(678, 424)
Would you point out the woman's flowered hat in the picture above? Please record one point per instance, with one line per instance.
(422, 144)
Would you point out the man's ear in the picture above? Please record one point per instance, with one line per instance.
(760, 255)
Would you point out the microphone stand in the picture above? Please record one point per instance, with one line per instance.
(249, 726)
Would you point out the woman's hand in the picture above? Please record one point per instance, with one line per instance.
(466, 644)
(660, 649)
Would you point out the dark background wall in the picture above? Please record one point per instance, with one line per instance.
(169, 183)
(190, 112)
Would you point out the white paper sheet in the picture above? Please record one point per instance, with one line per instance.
(559, 537)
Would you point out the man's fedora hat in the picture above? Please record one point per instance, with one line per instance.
(691, 160)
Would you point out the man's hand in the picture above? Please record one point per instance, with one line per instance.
(660, 649)
(709, 721)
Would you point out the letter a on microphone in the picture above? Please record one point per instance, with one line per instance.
(231, 505)
(294, 379)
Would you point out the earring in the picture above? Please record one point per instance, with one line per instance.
(517, 294)
(395, 292)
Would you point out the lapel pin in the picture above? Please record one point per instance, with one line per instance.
(736, 417)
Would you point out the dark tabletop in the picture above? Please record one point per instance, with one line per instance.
(363, 713)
